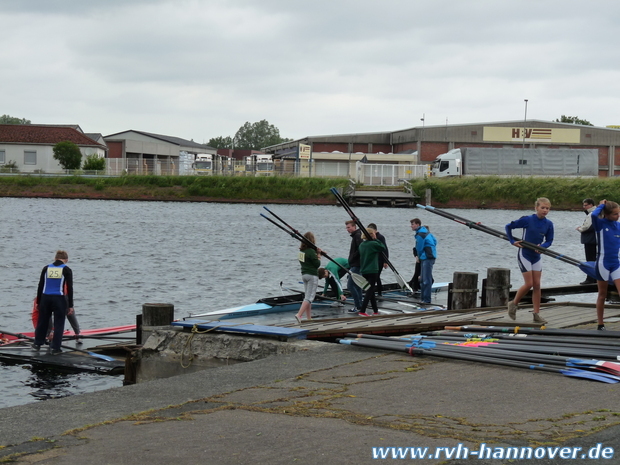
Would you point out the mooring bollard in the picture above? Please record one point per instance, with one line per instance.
(155, 315)
(464, 290)
(496, 288)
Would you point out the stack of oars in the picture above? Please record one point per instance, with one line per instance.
(558, 351)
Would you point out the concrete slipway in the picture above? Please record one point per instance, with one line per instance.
(325, 404)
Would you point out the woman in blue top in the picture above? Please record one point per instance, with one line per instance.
(605, 222)
(538, 230)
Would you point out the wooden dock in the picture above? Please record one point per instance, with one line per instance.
(558, 315)
(390, 198)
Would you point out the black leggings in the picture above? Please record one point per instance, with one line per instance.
(370, 292)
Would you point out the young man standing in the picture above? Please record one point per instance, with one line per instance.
(426, 248)
(588, 236)
(52, 300)
(354, 263)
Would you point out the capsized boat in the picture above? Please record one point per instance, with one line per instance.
(394, 300)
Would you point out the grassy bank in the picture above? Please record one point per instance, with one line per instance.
(175, 188)
(516, 192)
(467, 192)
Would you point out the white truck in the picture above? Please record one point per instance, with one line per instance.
(203, 164)
(477, 161)
(261, 164)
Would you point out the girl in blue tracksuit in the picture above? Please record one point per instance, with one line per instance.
(607, 227)
(538, 230)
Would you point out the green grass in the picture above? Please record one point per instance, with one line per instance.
(224, 187)
(479, 191)
(564, 193)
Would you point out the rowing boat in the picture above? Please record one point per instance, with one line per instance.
(69, 334)
(394, 300)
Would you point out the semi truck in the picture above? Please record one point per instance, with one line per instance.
(261, 164)
(203, 164)
(476, 161)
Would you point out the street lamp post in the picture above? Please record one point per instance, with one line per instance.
(421, 138)
(524, 132)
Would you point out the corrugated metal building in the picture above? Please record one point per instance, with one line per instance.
(431, 141)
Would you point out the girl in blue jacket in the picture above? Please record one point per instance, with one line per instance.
(538, 230)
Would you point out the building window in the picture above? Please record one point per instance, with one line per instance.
(2, 157)
(30, 157)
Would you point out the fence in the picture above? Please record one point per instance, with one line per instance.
(365, 173)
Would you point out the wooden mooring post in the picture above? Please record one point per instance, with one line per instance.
(155, 315)
(464, 291)
(496, 288)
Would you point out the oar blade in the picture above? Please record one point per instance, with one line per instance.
(360, 281)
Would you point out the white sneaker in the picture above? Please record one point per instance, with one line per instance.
(539, 319)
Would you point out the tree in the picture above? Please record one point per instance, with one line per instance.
(6, 119)
(68, 155)
(257, 135)
(221, 142)
(573, 120)
(94, 163)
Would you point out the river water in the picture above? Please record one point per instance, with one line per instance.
(209, 256)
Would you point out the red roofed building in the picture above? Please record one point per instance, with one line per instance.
(30, 146)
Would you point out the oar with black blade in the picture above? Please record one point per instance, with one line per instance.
(92, 354)
(401, 282)
(586, 267)
(358, 279)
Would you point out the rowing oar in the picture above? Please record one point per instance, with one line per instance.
(92, 354)
(384, 345)
(511, 352)
(357, 278)
(401, 282)
(586, 267)
(546, 332)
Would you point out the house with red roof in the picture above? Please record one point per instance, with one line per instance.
(30, 146)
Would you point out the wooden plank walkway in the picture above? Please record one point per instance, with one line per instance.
(388, 197)
(558, 315)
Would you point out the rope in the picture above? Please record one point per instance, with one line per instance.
(195, 330)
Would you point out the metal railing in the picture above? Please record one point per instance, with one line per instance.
(363, 173)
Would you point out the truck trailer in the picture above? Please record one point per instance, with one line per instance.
(478, 161)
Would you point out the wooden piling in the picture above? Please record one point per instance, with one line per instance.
(155, 315)
(464, 290)
(496, 288)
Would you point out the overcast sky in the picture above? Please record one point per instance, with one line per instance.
(200, 69)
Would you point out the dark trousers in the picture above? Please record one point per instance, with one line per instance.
(415, 281)
(51, 305)
(590, 250)
(370, 292)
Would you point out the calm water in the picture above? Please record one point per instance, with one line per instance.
(202, 256)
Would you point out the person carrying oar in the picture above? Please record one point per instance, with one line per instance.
(370, 249)
(607, 262)
(310, 261)
(538, 230)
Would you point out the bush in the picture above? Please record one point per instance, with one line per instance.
(68, 155)
(94, 163)
(10, 167)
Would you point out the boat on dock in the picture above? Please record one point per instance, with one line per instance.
(393, 301)
(16, 349)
